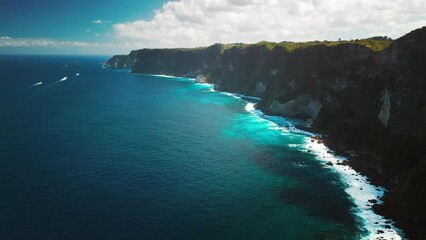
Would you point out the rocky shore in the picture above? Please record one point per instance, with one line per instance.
(366, 97)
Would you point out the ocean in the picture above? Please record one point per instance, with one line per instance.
(97, 153)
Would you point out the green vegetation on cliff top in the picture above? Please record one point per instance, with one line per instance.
(376, 44)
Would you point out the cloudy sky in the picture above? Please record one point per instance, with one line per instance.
(118, 26)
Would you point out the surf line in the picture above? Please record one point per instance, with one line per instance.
(358, 187)
(362, 193)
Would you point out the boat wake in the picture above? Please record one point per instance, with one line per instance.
(36, 84)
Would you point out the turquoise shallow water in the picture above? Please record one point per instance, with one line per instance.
(111, 155)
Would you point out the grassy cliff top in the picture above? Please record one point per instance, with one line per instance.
(376, 44)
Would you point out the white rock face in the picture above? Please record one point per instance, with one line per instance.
(384, 113)
(200, 79)
(302, 105)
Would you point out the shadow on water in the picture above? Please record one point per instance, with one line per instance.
(308, 185)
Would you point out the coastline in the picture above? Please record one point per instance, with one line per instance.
(364, 193)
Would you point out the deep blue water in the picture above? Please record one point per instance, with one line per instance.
(113, 155)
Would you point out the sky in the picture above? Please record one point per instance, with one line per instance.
(118, 26)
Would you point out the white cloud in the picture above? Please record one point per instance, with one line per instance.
(123, 46)
(52, 46)
(189, 23)
(99, 21)
(30, 42)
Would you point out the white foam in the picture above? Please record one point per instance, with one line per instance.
(245, 97)
(283, 124)
(63, 79)
(231, 95)
(276, 122)
(77, 74)
(210, 86)
(249, 107)
(164, 76)
(360, 190)
(36, 84)
(206, 84)
(210, 90)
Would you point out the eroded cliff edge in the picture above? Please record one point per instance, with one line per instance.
(369, 102)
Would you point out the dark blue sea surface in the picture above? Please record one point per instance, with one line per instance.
(105, 154)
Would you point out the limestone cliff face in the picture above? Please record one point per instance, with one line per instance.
(122, 61)
(249, 70)
(371, 102)
(177, 62)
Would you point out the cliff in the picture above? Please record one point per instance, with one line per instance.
(122, 61)
(367, 97)
(176, 62)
